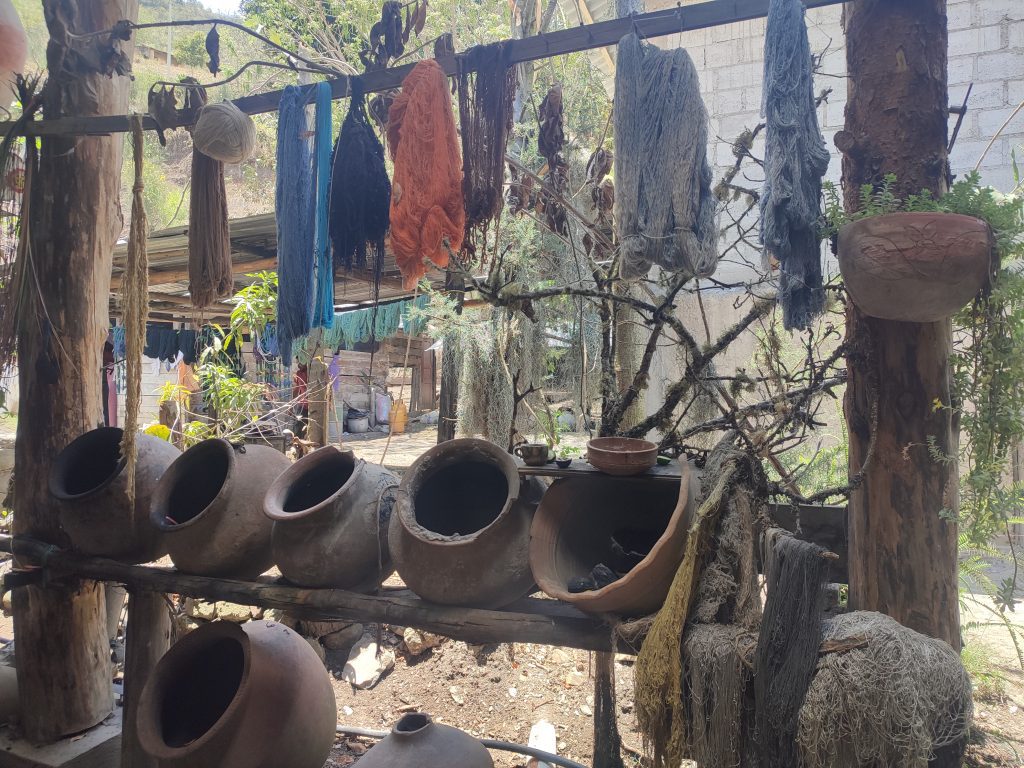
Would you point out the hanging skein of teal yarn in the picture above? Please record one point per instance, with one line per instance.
(323, 310)
(295, 221)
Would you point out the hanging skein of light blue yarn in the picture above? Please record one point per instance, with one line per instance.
(323, 310)
(795, 163)
(295, 221)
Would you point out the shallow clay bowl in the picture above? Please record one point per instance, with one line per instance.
(622, 455)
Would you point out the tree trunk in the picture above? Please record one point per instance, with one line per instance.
(319, 396)
(64, 671)
(903, 547)
(148, 636)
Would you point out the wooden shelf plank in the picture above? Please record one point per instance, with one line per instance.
(531, 620)
(582, 38)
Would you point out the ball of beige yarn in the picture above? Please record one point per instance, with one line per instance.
(225, 133)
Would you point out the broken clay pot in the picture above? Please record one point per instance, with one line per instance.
(238, 696)
(209, 504)
(416, 741)
(88, 481)
(460, 534)
(331, 514)
(577, 527)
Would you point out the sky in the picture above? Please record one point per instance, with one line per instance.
(222, 6)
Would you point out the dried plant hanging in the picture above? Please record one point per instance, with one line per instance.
(360, 189)
(209, 241)
(428, 217)
(485, 116)
(550, 143)
(136, 302)
(795, 162)
(664, 207)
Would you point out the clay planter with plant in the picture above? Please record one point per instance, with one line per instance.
(916, 260)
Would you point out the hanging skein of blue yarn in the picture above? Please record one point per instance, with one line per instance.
(295, 221)
(795, 162)
(323, 310)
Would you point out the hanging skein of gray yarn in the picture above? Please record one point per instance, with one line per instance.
(795, 161)
(664, 206)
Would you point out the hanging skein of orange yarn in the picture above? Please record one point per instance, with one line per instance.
(426, 197)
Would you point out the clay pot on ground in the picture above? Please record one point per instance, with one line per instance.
(915, 267)
(88, 481)
(461, 529)
(331, 513)
(416, 741)
(238, 696)
(209, 504)
(629, 525)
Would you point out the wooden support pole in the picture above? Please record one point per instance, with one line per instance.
(318, 396)
(903, 548)
(448, 405)
(148, 636)
(64, 670)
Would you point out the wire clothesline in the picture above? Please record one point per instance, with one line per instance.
(543, 46)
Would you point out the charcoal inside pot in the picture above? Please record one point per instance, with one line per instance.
(461, 499)
(601, 576)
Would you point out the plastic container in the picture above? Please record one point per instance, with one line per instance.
(400, 417)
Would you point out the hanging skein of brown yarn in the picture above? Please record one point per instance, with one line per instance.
(427, 213)
(225, 133)
(209, 241)
(486, 86)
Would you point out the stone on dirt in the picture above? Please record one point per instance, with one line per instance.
(417, 642)
(367, 663)
(344, 638)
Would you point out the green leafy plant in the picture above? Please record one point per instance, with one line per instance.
(568, 451)
(255, 306)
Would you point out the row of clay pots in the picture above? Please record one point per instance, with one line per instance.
(462, 528)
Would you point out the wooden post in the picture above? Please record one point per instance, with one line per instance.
(64, 673)
(148, 636)
(318, 393)
(903, 549)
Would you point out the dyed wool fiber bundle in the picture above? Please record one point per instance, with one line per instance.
(360, 197)
(209, 241)
(426, 208)
(787, 648)
(295, 220)
(485, 116)
(664, 205)
(323, 278)
(795, 161)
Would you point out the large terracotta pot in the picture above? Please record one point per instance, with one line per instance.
(89, 484)
(915, 267)
(210, 506)
(331, 514)
(580, 519)
(416, 741)
(254, 695)
(461, 531)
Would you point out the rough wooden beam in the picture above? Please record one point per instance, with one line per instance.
(531, 620)
(148, 636)
(563, 41)
(165, 276)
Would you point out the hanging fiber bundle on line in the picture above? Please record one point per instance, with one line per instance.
(323, 308)
(225, 133)
(426, 207)
(293, 206)
(485, 116)
(360, 195)
(795, 162)
(664, 205)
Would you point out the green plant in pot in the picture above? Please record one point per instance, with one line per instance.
(565, 455)
(919, 259)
